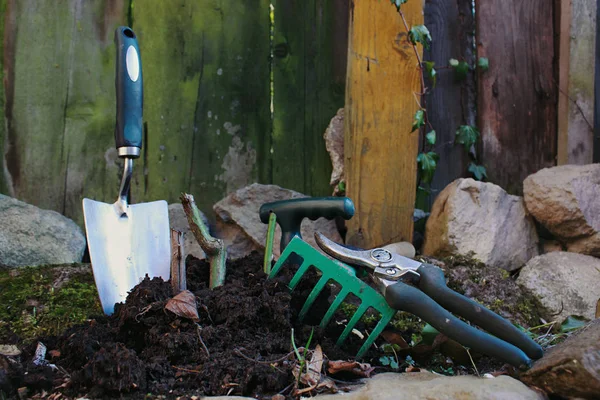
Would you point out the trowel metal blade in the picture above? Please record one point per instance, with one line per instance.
(123, 249)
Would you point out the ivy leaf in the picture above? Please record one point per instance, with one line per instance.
(430, 137)
(419, 120)
(384, 360)
(398, 3)
(483, 63)
(478, 171)
(431, 72)
(419, 34)
(571, 323)
(461, 68)
(427, 163)
(467, 135)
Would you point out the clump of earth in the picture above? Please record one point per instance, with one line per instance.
(240, 345)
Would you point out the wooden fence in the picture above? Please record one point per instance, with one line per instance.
(234, 96)
(207, 71)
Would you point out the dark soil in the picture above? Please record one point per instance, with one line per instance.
(241, 344)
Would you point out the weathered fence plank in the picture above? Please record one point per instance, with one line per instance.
(517, 95)
(577, 43)
(60, 101)
(206, 77)
(380, 150)
(308, 90)
(3, 180)
(450, 103)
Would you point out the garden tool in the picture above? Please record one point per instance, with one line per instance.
(406, 285)
(127, 242)
(290, 213)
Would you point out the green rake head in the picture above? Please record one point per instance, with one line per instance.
(343, 275)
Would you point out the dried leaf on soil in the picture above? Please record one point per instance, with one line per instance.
(359, 369)
(184, 305)
(312, 377)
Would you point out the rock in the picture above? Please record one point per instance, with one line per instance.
(570, 369)
(31, 236)
(564, 200)
(237, 214)
(427, 386)
(334, 142)
(568, 283)
(179, 222)
(481, 218)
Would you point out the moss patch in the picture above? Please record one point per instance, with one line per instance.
(43, 301)
(493, 287)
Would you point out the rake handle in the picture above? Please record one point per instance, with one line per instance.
(433, 283)
(291, 213)
(407, 298)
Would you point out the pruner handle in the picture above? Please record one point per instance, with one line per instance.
(407, 298)
(433, 283)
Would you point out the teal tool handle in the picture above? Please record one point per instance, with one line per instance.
(404, 297)
(433, 283)
(290, 213)
(128, 84)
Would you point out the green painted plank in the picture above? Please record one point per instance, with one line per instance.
(60, 102)
(3, 183)
(92, 169)
(309, 76)
(206, 95)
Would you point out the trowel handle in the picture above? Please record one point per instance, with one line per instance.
(290, 213)
(128, 84)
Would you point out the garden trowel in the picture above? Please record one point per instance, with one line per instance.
(127, 241)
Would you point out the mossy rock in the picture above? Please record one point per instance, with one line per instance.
(44, 301)
(493, 287)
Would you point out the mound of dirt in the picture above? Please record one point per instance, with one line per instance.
(241, 344)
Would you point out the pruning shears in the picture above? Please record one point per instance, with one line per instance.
(420, 289)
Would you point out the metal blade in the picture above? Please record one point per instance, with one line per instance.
(124, 249)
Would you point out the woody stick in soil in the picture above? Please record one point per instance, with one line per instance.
(215, 249)
(178, 272)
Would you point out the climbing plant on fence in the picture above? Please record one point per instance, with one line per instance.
(466, 135)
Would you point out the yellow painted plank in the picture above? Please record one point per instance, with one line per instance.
(381, 166)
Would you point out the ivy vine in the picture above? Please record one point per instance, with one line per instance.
(466, 135)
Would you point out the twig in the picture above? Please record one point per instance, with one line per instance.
(473, 362)
(186, 370)
(178, 273)
(239, 353)
(199, 329)
(215, 249)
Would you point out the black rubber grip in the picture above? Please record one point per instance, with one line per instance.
(128, 85)
(404, 297)
(290, 213)
(433, 283)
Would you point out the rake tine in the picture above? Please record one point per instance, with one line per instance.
(353, 321)
(333, 307)
(298, 276)
(313, 296)
(374, 334)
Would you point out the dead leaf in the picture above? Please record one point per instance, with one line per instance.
(394, 338)
(54, 353)
(9, 350)
(184, 305)
(359, 369)
(312, 377)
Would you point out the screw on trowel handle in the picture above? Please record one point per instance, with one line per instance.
(290, 213)
(128, 84)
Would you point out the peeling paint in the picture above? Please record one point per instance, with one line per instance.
(111, 156)
(238, 165)
(232, 129)
(209, 114)
(220, 71)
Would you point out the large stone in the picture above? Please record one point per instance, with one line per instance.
(31, 236)
(429, 386)
(237, 214)
(564, 200)
(334, 143)
(566, 283)
(572, 368)
(179, 222)
(481, 219)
